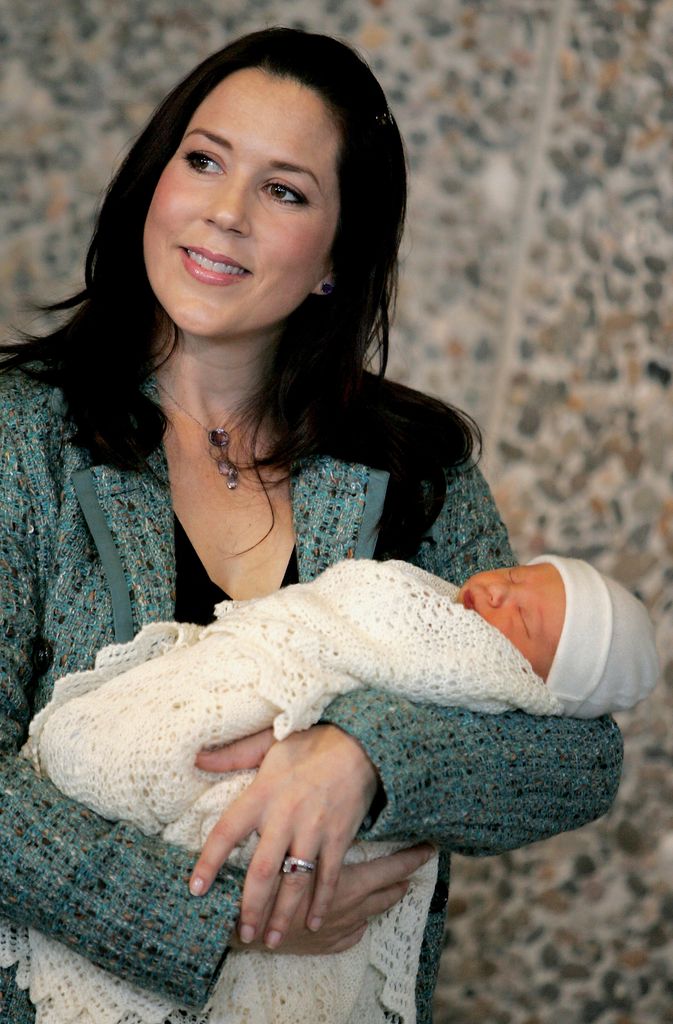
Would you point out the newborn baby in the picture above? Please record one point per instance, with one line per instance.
(279, 661)
(583, 633)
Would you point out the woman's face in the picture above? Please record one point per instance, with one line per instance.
(240, 228)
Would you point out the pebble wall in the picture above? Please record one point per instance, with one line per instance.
(537, 293)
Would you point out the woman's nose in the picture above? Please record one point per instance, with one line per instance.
(228, 208)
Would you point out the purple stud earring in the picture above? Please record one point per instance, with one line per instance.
(326, 288)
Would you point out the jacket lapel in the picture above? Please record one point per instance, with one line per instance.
(135, 510)
(336, 507)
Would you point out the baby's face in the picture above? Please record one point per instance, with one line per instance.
(526, 603)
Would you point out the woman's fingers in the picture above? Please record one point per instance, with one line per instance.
(385, 871)
(319, 884)
(360, 895)
(363, 891)
(231, 829)
(318, 785)
(308, 799)
(382, 900)
(348, 941)
(241, 818)
(245, 753)
(294, 887)
(263, 884)
(327, 878)
(271, 898)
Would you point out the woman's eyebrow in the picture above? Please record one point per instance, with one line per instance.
(277, 165)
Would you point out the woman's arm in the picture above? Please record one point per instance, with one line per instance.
(106, 890)
(113, 895)
(476, 783)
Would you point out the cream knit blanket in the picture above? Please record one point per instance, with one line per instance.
(278, 661)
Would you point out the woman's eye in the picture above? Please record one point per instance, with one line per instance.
(201, 162)
(284, 194)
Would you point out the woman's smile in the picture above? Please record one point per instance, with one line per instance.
(213, 268)
(241, 225)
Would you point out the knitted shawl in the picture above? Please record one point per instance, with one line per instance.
(122, 739)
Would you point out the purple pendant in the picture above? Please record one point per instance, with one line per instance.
(219, 438)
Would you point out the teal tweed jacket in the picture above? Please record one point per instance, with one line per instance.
(473, 783)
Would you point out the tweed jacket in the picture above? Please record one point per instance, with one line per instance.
(87, 557)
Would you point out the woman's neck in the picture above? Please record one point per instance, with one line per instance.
(212, 380)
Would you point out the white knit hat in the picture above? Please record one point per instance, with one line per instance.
(606, 659)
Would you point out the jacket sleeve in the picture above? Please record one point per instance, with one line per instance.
(478, 783)
(104, 889)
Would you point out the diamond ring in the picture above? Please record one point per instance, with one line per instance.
(297, 866)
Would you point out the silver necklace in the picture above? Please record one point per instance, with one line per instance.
(218, 439)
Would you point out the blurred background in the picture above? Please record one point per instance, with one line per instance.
(536, 293)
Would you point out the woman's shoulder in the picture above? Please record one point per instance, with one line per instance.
(27, 401)
(468, 535)
(33, 421)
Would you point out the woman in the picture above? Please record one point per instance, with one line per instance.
(206, 412)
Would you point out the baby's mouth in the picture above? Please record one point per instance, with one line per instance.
(466, 599)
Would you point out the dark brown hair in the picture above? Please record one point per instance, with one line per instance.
(325, 391)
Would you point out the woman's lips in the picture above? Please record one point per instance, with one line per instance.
(213, 268)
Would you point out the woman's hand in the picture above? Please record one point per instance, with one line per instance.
(362, 892)
(309, 798)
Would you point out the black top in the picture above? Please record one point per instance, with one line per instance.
(195, 593)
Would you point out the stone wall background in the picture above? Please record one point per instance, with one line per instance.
(536, 294)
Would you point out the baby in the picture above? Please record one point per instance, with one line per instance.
(583, 633)
(279, 661)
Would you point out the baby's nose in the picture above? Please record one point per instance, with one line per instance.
(497, 593)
